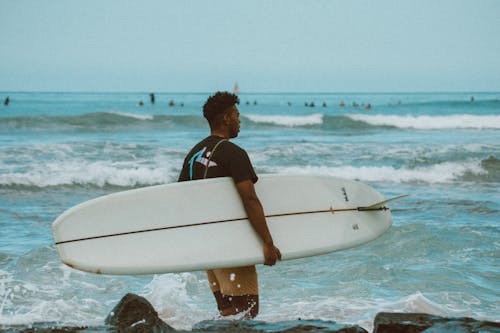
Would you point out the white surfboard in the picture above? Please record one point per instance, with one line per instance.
(202, 224)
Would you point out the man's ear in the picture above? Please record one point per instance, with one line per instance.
(225, 119)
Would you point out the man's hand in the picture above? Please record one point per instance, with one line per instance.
(271, 254)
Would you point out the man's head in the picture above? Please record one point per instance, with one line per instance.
(221, 113)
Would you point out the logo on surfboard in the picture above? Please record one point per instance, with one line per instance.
(345, 194)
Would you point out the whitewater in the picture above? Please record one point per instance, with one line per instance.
(440, 256)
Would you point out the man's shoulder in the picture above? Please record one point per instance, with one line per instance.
(199, 144)
(233, 148)
(225, 147)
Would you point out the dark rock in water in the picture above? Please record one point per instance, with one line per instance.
(46, 328)
(135, 314)
(291, 326)
(386, 322)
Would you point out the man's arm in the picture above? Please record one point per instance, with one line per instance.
(255, 213)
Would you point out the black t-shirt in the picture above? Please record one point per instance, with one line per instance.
(228, 160)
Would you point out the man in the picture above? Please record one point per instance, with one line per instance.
(235, 289)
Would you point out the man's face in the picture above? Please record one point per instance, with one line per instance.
(233, 118)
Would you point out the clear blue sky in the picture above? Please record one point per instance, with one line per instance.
(266, 46)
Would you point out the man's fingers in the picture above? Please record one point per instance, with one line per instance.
(269, 262)
(271, 255)
(278, 252)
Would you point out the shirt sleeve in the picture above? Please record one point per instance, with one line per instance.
(240, 166)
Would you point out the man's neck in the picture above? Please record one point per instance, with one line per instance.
(219, 133)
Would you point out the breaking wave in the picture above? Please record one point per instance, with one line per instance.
(288, 121)
(478, 171)
(463, 121)
(130, 174)
(130, 121)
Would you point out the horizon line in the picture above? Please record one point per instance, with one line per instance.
(249, 92)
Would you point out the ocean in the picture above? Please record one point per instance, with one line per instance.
(441, 255)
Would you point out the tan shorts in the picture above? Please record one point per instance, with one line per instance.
(237, 281)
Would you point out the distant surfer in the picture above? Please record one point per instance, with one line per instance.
(171, 103)
(235, 289)
(6, 101)
(152, 98)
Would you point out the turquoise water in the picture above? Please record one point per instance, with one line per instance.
(440, 256)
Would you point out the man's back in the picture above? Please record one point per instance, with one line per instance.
(227, 160)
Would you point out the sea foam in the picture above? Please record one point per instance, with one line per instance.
(129, 174)
(439, 173)
(133, 115)
(459, 121)
(289, 121)
(99, 174)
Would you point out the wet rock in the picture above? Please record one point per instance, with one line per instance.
(135, 314)
(386, 322)
(45, 328)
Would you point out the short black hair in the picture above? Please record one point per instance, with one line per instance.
(216, 104)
